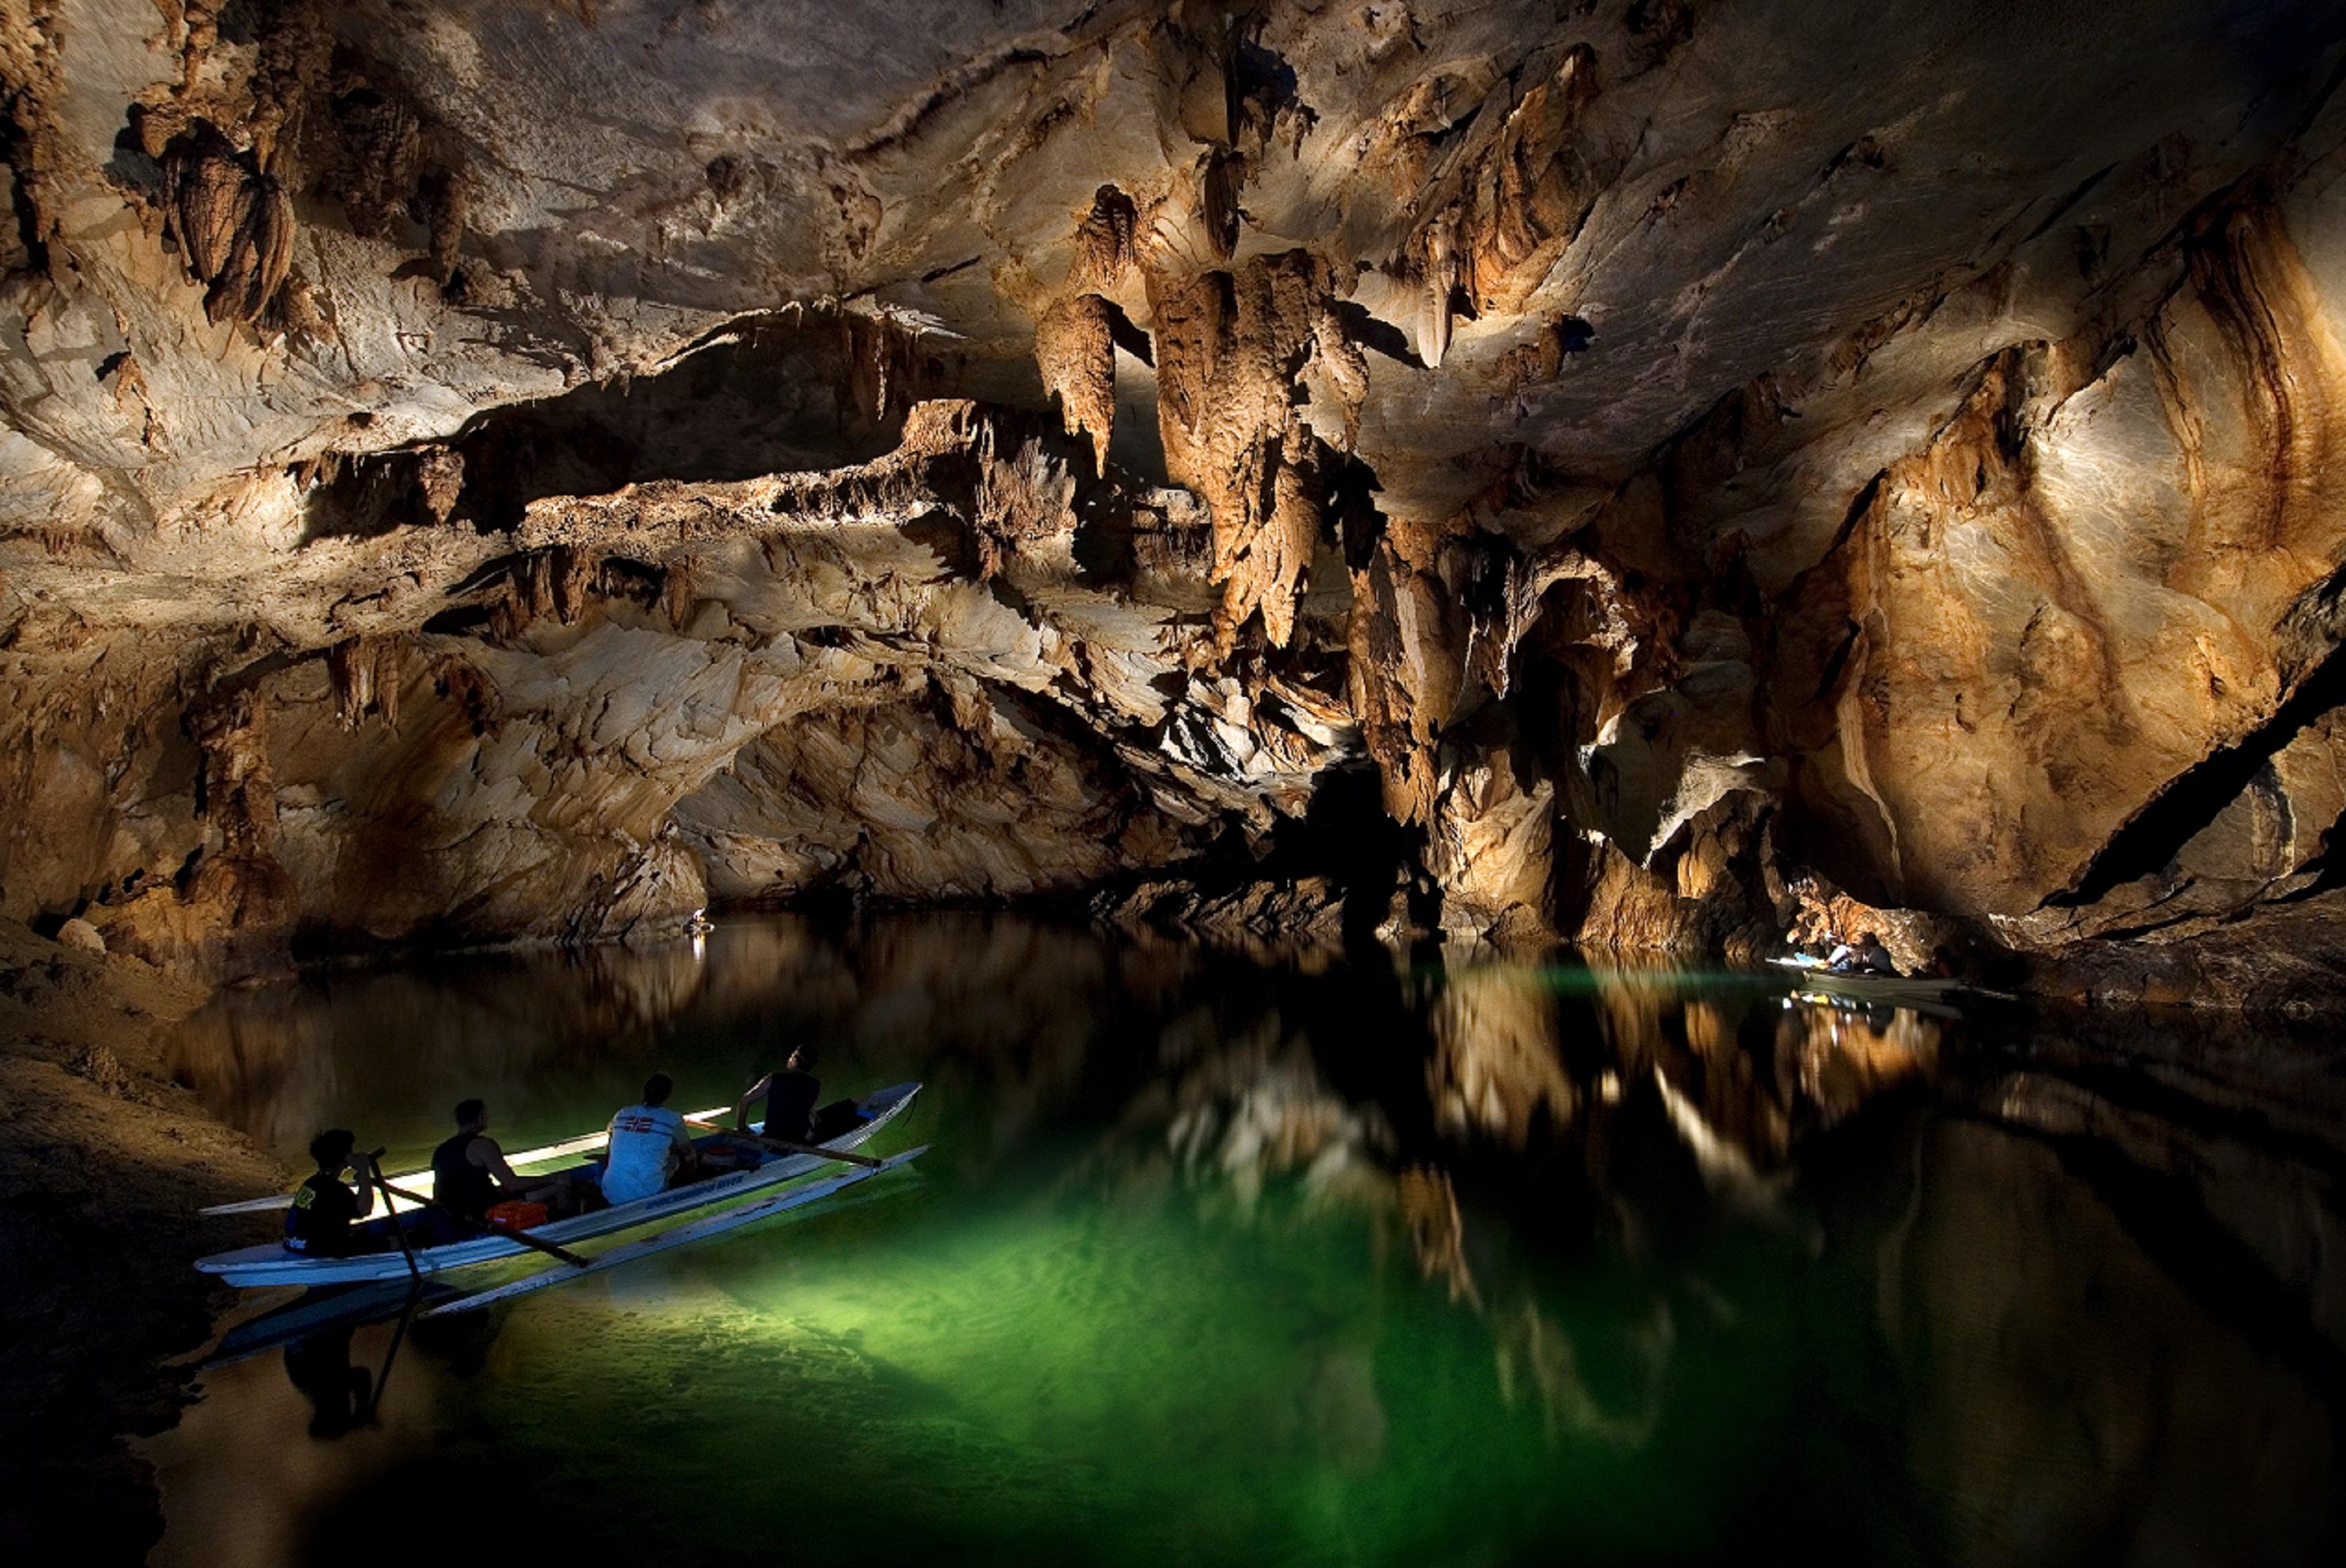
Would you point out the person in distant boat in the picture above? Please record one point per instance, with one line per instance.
(1865, 956)
(649, 1147)
(469, 1173)
(318, 1219)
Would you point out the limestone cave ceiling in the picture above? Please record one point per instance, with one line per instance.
(494, 468)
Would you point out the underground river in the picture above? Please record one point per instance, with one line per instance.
(1300, 1261)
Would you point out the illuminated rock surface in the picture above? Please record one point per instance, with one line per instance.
(482, 472)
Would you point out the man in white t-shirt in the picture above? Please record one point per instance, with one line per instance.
(648, 1146)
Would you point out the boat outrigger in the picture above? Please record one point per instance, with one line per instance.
(408, 1246)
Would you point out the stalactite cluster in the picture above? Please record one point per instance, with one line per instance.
(1696, 506)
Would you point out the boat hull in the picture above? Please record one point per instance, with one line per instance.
(252, 1267)
(699, 1231)
(1890, 988)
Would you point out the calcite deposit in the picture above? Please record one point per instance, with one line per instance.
(478, 472)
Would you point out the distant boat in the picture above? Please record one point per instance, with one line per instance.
(429, 1251)
(1889, 988)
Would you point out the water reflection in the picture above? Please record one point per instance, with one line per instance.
(341, 1396)
(1367, 1262)
(282, 1062)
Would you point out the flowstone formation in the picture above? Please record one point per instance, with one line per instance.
(479, 472)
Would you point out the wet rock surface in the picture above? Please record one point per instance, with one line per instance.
(104, 1159)
(480, 474)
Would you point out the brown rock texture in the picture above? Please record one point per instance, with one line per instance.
(479, 473)
(104, 1159)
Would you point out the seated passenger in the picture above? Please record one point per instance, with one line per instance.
(790, 1096)
(647, 1146)
(469, 1173)
(324, 1211)
(1868, 956)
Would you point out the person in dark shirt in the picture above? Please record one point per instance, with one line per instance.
(1866, 956)
(790, 1096)
(324, 1211)
(469, 1173)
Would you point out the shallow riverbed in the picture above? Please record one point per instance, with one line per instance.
(1218, 1261)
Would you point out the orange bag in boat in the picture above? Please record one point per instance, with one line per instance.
(516, 1215)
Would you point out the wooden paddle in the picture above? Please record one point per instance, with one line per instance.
(484, 1227)
(399, 1231)
(783, 1145)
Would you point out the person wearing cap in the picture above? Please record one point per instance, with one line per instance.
(320, 1219)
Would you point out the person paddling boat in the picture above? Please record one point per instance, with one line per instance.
(317, 1221)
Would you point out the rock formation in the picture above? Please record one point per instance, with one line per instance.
(526, 472)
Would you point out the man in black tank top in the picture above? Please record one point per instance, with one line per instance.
(469, 1174)
(790, 1098)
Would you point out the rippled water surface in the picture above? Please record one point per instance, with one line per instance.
(1220, 1261)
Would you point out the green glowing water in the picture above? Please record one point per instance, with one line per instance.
(1213, 1263)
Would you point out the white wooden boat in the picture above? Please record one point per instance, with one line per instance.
(274, 1264)
(1888, 989)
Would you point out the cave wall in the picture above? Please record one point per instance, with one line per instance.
(477, 471)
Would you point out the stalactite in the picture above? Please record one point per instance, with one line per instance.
(235, 791)
(366, 674)
(440, 478)
(389, 672)
(1105, 245)
(380, 162)
(570, 574)
(1231, 349)
(677, 595)
(232, 222)
(1443, 270)
(351, 674)
(1075, 336)
(883, 370)
(535, 579)
(1220, 175)
(1075, 351)
(1496, 224)
(1528, 198)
